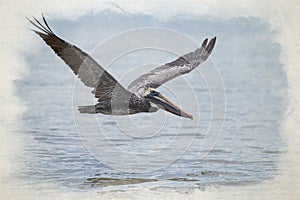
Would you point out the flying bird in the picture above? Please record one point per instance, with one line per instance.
(114, 99)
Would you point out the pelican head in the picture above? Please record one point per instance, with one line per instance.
(164, 103)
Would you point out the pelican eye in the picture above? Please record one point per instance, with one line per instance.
(151, 92)
(154, 92)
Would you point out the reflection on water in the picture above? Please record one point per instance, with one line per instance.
(246, 152)
(114, 181)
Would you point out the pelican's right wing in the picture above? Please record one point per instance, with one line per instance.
(83, 65)
(168, 71)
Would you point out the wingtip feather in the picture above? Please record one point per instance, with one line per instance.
(214, 39)
(204, 42)
(44, 28)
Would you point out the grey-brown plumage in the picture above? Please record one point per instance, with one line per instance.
(168, 71)
(113, 98)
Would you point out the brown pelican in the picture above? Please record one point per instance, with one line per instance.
(114, 99)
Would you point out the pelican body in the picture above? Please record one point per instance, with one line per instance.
(114, 99)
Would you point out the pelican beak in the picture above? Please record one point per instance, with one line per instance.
(164, 103)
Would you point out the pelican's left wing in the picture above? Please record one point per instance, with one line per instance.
(82, 64)
(168, 71)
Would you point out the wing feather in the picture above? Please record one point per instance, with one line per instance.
(83, 65)
(168, 71)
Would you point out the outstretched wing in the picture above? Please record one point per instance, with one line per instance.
(83, 65)
(168, 71)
